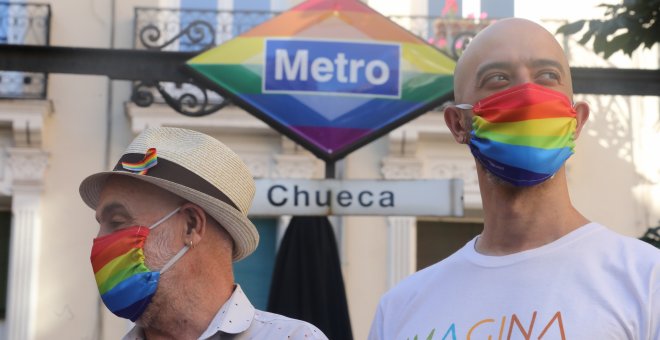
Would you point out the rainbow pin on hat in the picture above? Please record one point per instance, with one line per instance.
(194, 166)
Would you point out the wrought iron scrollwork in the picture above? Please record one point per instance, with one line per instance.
(199, 33)
(190, 104)
(191, 99)
(142, 95)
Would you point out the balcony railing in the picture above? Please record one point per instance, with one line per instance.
(191, 29)
(450, 35)
(187, 30)
(173, 29)
(27, 24)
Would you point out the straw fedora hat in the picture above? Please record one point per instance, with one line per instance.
(194, 166)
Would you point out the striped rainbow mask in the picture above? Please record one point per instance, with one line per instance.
(523, 134)
(125, 283)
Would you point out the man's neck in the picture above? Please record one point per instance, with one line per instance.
(522, 219)
(188, 311)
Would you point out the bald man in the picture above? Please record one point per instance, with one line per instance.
(539, 269)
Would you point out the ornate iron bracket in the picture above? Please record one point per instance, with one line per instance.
(197, 103)
(187, 103)
(196, 32)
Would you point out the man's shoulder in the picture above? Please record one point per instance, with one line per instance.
(629, 245)
(618, 250)
(295, 329)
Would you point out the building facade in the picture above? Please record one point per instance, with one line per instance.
(57, 129)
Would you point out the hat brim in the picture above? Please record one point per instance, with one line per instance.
(239, 227)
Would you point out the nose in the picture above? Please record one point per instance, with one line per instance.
(102, 231)
(523, 75)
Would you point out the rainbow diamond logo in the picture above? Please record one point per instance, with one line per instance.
(333, 75)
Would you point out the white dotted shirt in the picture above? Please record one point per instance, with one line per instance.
(239, 320)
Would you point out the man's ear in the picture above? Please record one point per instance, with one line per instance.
(196, 224)
(456, 123)
(582, 116)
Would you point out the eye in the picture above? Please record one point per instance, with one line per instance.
(494, 80)
(548, 78)
(116, 222)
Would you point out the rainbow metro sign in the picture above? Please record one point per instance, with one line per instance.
(332, 75)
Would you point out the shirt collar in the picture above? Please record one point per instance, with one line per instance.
(234, 317)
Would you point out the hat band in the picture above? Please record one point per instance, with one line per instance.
(176, 173)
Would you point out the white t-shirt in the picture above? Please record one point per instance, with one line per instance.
(591, 284)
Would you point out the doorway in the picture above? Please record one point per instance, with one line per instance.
(436, 240)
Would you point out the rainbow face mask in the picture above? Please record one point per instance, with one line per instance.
(125, 283)
(523, 134)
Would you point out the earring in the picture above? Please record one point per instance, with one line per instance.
(191, 244)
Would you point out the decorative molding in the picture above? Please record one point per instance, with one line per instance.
(24, 170)
(28, 167)
(296, 162)
(463, 168)
(230, 118)
(26, 118)
(295, 166)
(23, 264)
(259, 165)
(401, 168)
(27, 171)
(402, 246)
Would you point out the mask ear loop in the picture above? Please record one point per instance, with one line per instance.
(174, 259)
(165, 218)
(181, 252)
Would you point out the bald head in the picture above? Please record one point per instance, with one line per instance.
(508, 53)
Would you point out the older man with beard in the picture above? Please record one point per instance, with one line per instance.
(172, 218)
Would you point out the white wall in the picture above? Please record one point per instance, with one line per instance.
(75, 137)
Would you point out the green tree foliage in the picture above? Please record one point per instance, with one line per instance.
(626, 27)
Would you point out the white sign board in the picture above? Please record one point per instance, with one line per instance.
(358, 197)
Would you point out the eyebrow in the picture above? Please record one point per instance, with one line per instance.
(536, 63)
(490, 66)
(112, 208)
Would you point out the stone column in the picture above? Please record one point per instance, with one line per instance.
(27, 167)
(401, 231)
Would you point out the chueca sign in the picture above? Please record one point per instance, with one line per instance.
(358, 197)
